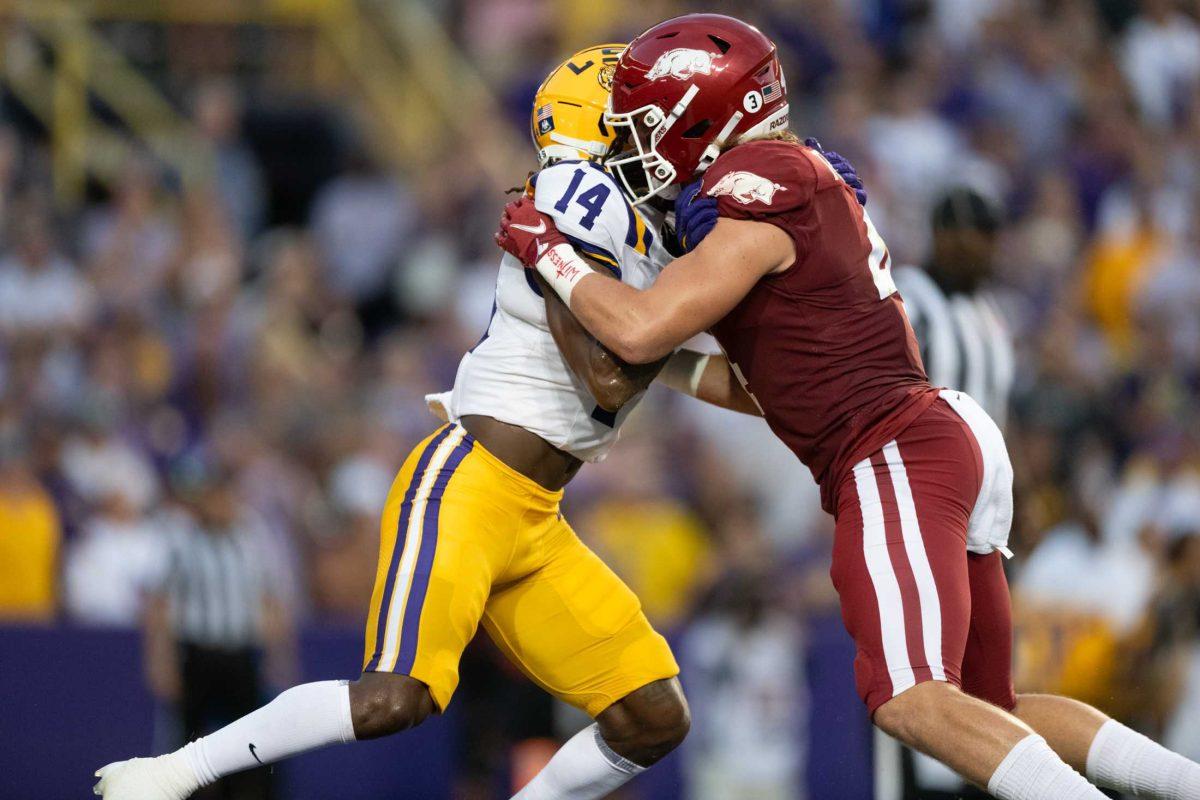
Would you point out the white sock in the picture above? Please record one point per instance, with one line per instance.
(303, 718)
(1127, 761)
(585, 768)
(1032, 771)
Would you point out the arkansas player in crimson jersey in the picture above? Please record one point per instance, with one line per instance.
(783, 266)
(822, 343)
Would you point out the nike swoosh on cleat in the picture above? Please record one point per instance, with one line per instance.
(538, 231)
(256, 758)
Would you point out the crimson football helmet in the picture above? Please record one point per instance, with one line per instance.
(685, 88)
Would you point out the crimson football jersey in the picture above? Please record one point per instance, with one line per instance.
(824, 347)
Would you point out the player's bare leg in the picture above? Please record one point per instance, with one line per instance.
(646, 725)
(382, 704)
(1110, 754)
(1068, 726)
(629, 736)
(966, 734)
(986, 745)
(301, 719)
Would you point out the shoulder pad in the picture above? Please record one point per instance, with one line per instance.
(588, 207)
(762, 178)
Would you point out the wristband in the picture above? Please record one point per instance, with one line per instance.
(562, 268)
(685, 371)
(697, 374)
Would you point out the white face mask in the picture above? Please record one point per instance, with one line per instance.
(643, 155)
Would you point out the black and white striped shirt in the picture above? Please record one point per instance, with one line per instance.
(216, 582)
(964, 340)
(965, 345)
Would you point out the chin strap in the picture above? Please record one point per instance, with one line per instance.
(776, 122)
(713, 150)
(678, 110)
(586, 145)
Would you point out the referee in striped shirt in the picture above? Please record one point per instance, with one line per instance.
(965, 345)
(965, 342)
(214, 618)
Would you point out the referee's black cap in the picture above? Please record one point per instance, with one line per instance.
(964, 208)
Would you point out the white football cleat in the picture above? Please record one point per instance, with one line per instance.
(163, 778)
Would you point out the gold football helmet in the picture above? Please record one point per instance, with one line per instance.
(568, 109)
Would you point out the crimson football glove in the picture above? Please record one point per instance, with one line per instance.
(526, 232)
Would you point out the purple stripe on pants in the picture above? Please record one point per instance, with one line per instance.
(398, 550)
(429, 532)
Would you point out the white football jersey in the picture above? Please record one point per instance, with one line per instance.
(516, 373)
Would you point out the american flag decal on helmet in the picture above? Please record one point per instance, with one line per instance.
(545, 118)
(770, 91)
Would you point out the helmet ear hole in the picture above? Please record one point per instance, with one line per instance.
(697, 130)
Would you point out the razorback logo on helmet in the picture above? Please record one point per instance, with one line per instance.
(746, 188)
(682, 63)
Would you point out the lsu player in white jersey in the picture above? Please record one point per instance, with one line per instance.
(516, 373)
(471, 531)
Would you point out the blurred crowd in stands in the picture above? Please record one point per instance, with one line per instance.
(276, 335)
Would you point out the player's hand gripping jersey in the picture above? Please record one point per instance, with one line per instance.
(516, 373)
(824, 347)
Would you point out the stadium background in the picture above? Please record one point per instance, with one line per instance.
(241, 240)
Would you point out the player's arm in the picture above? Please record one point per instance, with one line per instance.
(611, 381)
(692, 293)
(709, 378)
